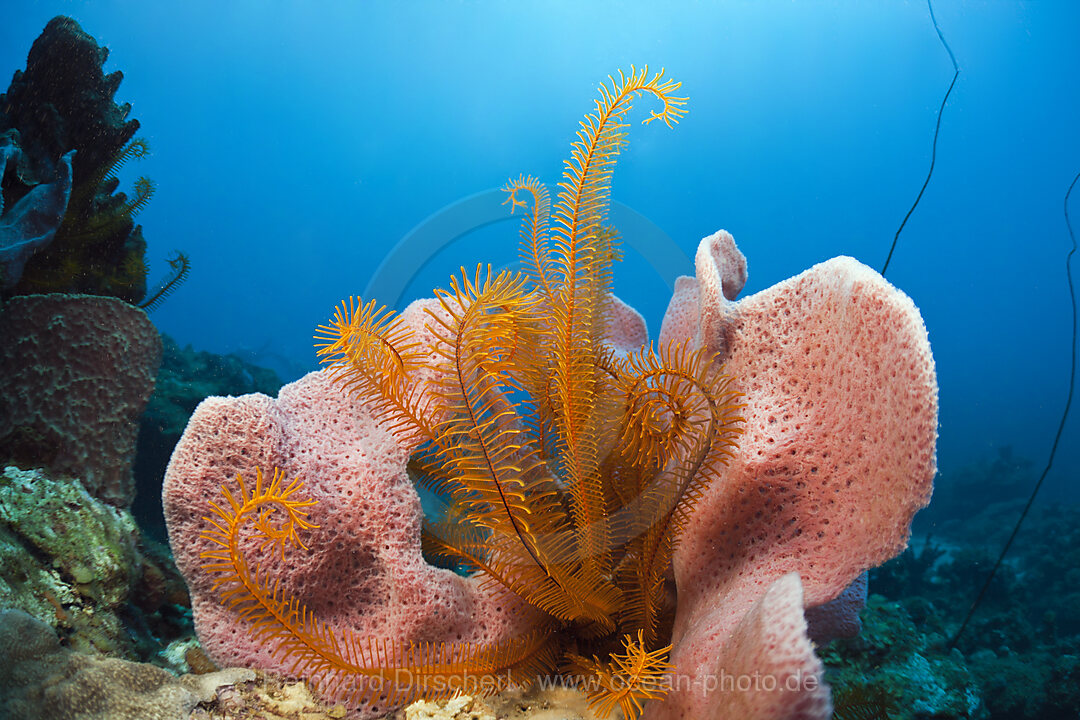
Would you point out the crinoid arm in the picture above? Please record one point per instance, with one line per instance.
(534, 252)
(582, 275)
(80, 222)
(137, 149)
(628, 680)
(144, 190)
(499, 476)
(680, 423)
(342, 664)
(179, 269)
(569, 470)
(371, 353)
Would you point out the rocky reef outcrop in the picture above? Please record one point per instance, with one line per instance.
(60, 111)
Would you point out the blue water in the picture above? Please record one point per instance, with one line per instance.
(295, 145)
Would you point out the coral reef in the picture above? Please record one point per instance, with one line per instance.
(63, 101)
(40, 679)
(90, 545)
(66, 136)
(555, 703)
(76, 372)
(900, 660)
(79, 565)
(1021, 646)
(267, 698)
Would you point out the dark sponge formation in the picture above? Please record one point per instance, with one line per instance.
(76, 372)
(64, 101)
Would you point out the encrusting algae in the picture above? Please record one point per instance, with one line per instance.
(571, 469)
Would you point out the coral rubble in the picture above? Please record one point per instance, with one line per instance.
(41, 679)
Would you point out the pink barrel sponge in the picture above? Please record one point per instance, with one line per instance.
(763, 666)
(837, 457)
(364, 570)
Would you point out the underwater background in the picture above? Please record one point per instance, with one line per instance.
(295, 144)
(306, 152)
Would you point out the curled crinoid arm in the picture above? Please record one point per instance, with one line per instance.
(534, 252)
(276, 516)
(586, 185)
(680, 425)
(137, 149)
(628, 680)
(180, 268)
(371, 354)
(677, 402)
(535, 189)
(341, 664)
(144, 190)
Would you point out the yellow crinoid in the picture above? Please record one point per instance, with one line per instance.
(570, 470)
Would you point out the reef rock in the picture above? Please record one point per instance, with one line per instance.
(77, 564)
(40, 679)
